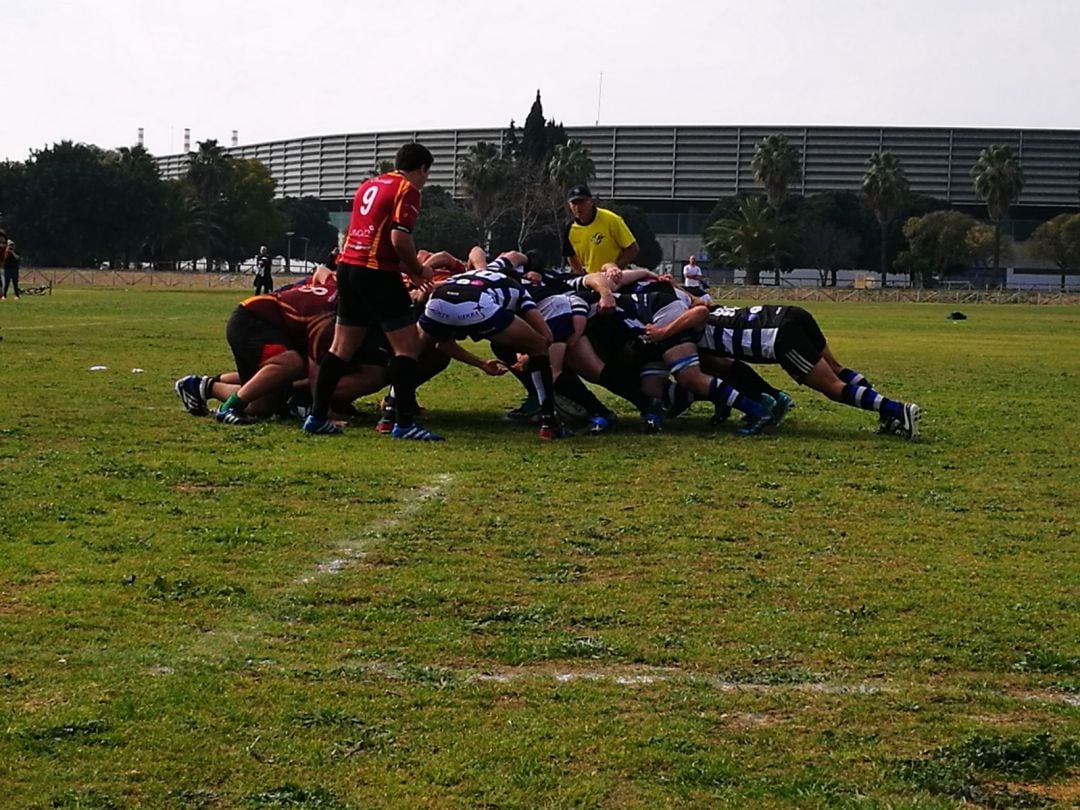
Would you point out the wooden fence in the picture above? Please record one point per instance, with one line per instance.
(65, 277)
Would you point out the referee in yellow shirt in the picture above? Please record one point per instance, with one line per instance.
(595, 236)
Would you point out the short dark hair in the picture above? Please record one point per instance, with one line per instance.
(536, 260)
(413, 156)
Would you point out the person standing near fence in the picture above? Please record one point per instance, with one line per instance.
(264, 283)
(11, 269)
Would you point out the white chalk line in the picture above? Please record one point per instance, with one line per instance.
(649, 676)
(353, 551)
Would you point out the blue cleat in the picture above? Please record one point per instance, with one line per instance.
(414, 432)
(651, 421)
(599, 425)
(190, 391)
(760, 420)
(319, 427)
(784, 403)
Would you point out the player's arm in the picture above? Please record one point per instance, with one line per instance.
(516, 258)
(477, 258)
(620, 277)
(451, 348)
(569, 254)
(601, 284)
(690, 321)
(627, 254)
(406, 250)
(321, 275)
(443, 258)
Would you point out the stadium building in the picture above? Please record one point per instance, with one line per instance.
(677, 173)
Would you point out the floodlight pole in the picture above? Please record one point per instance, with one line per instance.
(288, 249)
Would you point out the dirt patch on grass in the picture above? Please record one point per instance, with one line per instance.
(750, 721)
(194, 489)
(12, 596)
(1066, 793)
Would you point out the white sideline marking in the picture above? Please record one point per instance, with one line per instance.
(639, 677)
(346, 555)
(645, 676)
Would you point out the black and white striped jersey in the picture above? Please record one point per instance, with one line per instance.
(550, 284)
(745, 333)
(508, 293)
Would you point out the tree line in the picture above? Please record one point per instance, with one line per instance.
(883, 224)
(77, 205)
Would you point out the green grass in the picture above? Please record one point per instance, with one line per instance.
(200, 616)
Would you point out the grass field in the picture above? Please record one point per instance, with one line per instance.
(193, 615)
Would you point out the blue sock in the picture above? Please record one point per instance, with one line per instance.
(860, 396)
(852, 377)
(723, 394)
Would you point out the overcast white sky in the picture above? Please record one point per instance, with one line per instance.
(97, 70)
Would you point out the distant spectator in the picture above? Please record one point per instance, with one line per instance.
(692, 278)
(11, 269)
(264, 283)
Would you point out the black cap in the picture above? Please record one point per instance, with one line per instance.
(578, 193)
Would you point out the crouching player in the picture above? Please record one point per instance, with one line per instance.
(791, 337)
(268, 335)
(488, 305)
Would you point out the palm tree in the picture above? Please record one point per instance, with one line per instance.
(484, 173)
(749, 239)
(571, 165)
(775, 165)
(209, 173)
(997, 179)
(884, 189)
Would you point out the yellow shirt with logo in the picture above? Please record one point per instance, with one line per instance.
(601, 241)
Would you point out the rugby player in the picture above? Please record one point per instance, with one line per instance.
(377, 247)
(650, 301)
(791, 337)
(489, 305)
(269, 336)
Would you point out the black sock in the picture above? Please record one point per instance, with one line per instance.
(404, 371)
(331, 370)
(570, 386)
(743, 378)
(626, 383)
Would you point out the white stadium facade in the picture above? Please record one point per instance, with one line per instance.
(677, 173)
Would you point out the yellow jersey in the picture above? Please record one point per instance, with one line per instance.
(599, 242)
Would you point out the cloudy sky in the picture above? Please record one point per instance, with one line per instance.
(97, 70)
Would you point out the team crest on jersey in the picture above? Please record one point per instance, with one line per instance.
(597, 238)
